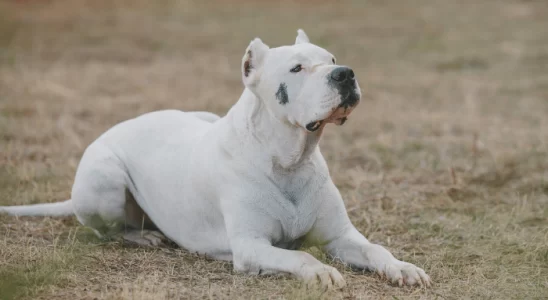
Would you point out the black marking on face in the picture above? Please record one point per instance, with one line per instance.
(281, 94)
(343, 120)
(247, 64)
(350, 100)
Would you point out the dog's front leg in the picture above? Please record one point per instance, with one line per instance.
(257, 256)
(354, 249)
(342, 241)
(250, 230)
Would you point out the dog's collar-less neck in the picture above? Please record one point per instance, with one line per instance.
(287, 145)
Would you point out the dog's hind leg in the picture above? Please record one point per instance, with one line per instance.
(102, 201)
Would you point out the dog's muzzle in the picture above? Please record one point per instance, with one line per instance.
(343, 80)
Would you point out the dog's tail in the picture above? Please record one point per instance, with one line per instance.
(57, 209)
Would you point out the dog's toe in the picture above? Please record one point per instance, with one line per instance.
(325, 277)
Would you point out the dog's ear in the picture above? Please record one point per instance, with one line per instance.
(252, 61)
(301, 37)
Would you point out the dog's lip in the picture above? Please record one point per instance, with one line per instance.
(340, 113)
(338, 116)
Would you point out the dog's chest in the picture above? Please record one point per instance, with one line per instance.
(294, 228)
(292, 232)
(299, 207)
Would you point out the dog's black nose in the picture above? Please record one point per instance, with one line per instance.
(342, 79)
(342, 74)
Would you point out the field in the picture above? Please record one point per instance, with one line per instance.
(445, 161)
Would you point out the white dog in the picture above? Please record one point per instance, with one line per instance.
(250, 187)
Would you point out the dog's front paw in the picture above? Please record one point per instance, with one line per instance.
(400, 273)
(397, 271)
(321, 275)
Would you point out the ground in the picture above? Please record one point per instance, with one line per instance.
(445, 162)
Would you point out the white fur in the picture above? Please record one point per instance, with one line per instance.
(248, 187)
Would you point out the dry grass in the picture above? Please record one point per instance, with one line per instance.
(445, 162)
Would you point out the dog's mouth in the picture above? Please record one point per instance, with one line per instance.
(339, 116)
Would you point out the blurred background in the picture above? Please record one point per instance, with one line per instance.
(444, 162)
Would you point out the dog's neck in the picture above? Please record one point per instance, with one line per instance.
(285, 144)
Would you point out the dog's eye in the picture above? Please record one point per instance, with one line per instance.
(296, 69)
(333, 60)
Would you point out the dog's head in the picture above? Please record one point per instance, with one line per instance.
(300, 84)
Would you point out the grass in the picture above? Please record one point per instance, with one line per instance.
(444, 162)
